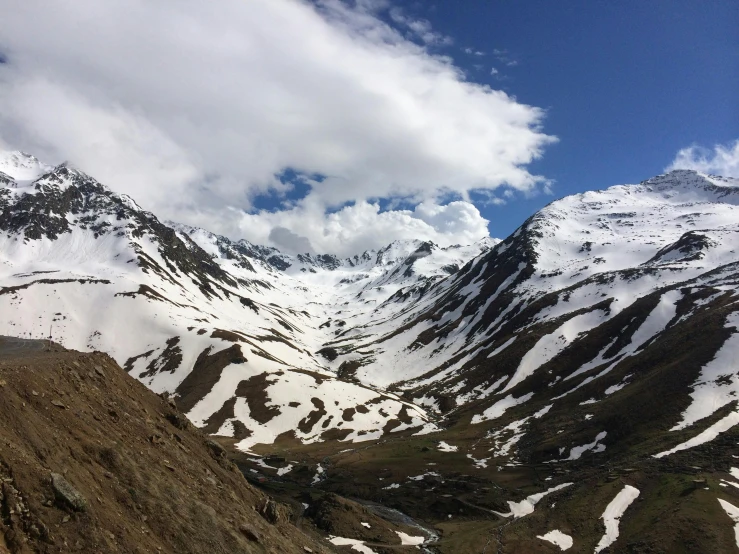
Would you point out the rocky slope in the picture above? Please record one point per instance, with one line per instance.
(92, 461)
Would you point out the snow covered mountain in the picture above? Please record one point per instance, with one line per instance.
(593, 306)
(235, 331)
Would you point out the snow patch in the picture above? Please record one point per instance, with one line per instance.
(479, 464)
(357, 545)
(408, 540)
(499, 408)
(718, 383)
(557, 538)
(595, 446)
(526, 506)
(612, 515)
(733, 512)
(317, 476)
(552, 344)
(283, 470)
(721, 426)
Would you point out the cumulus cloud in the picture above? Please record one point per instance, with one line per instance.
(111, 143)
(195, 111)
(723, 159)
(362, 226)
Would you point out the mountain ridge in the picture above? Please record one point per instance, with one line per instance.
(372, 321)
(592, 350)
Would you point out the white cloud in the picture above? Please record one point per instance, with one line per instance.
(111, 142)
(194, 110)
(504, 57)
(722, 160)
(362, 226)
(420, 28)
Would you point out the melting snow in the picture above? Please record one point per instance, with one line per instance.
(618, 386)
(657, 320)
(526, 506)
(709, 394)
(317, 476)
(612, 516)
(420, 477)
(595, 446)
(502, 347)
(426, 429)
(655, 323)
(409, 540)
(722, 425)
(636, 221)
(481, 463)
(444, 447)
(552, 344)
(357, 545)
(261, 463)
(733, 512)
(557, 538)
(499, 408)
(284, 470)
(516, 432)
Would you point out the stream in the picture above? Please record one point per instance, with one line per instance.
(395, 516)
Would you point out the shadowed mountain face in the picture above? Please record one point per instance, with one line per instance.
(603, 329)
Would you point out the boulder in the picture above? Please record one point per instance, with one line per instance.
(274, 512)
(249, 532)
(67, 494)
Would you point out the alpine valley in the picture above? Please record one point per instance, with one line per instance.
(572, 387)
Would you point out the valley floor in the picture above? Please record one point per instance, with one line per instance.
(471, 504)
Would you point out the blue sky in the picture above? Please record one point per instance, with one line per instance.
(341, 125)
(625, 84)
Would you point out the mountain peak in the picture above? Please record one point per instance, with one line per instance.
(691, 180)
(21, 166)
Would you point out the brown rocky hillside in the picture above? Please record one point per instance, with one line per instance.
(92, 461)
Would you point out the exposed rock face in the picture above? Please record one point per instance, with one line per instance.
(67, 494)
(273, 512)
